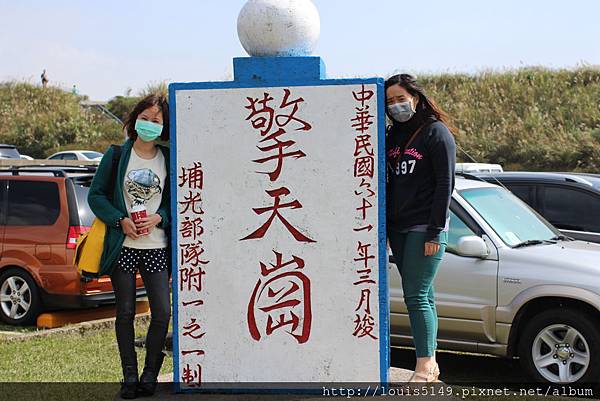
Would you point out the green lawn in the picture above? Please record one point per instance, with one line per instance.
(92, 357)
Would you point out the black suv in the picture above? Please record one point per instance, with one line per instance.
(570, 201)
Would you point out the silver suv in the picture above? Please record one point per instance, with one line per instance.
(511, 285)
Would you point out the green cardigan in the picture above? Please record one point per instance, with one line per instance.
(110, 212)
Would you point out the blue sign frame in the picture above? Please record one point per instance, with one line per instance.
(268, 72)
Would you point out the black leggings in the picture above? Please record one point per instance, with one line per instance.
(157, 289)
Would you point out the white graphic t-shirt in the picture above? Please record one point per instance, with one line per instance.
(144, 184)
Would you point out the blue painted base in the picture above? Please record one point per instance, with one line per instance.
(287, 70)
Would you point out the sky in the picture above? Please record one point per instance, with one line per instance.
(107, 47)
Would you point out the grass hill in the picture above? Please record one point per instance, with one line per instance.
(529, 119)
(532, 118)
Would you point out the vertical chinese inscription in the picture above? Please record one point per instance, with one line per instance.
(281, 298)
(191, 268)
(364, 171)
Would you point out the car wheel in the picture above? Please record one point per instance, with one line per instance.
(561, 346)
(19, 298)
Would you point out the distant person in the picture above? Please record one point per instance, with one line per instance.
(44, 77)
(421, 158)
(133, 243)
(74, 90)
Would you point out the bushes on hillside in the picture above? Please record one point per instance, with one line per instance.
(39, 121)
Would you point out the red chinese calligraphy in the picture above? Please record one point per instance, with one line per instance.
(368, 228)
(277, 205)
(191, 202)
(198, 352)
(196, 302)
(190, 278)
(191, 228)
(284, 298)
(363, 208)
(280, 146)
(292, 116)
(364, 326)
(365, 184)
(192, 377)
(193, 177)
(262, 115)
(364, 257)
(261, 118)
(362, 96)
(192, 329)
(191, 254)
(363, 144)
(365, 298)
(363, 119)
(191, 261)
(364, 166)
(281, 298)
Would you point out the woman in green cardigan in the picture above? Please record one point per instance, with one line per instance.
(139, 186)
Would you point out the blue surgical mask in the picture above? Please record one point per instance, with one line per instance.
(401, 112)
(147, 130)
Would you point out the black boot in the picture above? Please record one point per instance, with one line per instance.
(130, 382)
(148, 379)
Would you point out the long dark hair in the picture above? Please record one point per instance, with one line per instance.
(148, 101)
(426, 107)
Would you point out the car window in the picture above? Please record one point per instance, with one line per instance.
(508, 216)
(56, 157)
(457, 229)
(9, 153)
(572, 209)
(594, 180)
(69, 156)
(32, 203)
(86, 216)
(92, 155)
(523, 192)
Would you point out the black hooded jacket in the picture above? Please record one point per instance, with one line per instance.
(421, 180)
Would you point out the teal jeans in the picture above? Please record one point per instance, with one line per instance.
(418, 273)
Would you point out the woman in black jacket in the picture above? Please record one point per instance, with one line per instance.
(421, 157)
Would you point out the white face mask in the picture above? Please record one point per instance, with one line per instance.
(401, 112)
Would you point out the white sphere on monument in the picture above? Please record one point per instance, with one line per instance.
(277, 28)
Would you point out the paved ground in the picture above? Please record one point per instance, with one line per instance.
(165, 391)
(459, 371)
(396, 375)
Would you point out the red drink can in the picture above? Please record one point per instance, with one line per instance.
(139, 212)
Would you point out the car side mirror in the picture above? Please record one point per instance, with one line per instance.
(472, 246)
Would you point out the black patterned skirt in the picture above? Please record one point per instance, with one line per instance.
(151, 260)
